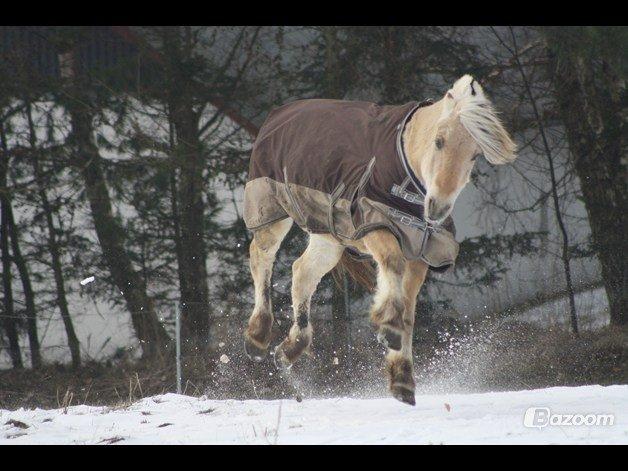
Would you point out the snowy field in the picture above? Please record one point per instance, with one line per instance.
(456, 418)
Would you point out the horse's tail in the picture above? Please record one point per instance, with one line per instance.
(362, 271)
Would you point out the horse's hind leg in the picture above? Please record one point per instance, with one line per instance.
(263, 249)
(321, 255)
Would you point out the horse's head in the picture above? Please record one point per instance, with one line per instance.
(446, 141)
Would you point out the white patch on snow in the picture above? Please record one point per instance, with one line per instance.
(445, 418)
(87, 280)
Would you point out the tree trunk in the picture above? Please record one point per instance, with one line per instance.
(27, 287)
(194, 292)
(188, 154)
(53, 247)
(29, 294)
(333, 87)
(589, 98)
(393, 68)
(8, 316)
(149, 331)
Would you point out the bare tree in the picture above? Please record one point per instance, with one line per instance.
(513, 49)
(588, 66)
(53, 245)
(85, 156)
(9, 319)
(202, 70)
(27, 288)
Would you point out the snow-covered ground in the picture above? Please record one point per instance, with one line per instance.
(496, 417)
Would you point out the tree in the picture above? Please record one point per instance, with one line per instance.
(9, 319)
(52, 241)
(201, 71)
(27, 287)
(588, 68)
(80, 102)
(513, 49)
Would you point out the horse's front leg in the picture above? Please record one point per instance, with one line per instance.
(399, 364)
(321, 255)
(388, 304)
(398, 283)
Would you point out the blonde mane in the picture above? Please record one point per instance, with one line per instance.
(480, 119)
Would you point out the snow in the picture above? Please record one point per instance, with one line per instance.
(87, 280)
(483, 418)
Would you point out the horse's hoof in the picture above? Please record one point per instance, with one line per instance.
(389, 338)
(254, 352)
(403, 394)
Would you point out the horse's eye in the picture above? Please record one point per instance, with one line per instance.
(439, 142)
(476, 156)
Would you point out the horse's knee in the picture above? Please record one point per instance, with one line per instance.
(393, 263)
(390, 312)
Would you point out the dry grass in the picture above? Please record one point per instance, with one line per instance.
(58, 386)
(449, 357)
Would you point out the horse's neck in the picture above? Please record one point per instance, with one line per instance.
(419, 135)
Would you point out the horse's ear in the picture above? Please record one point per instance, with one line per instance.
(466, 86)
(448, 104)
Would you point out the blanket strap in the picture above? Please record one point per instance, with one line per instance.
(400, 150)
(411, 221)
(330, 211)
(339, 190)
(400, 192)
(293, 200)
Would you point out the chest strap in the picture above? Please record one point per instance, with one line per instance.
(400, 192)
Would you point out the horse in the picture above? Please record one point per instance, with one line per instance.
(364, 179)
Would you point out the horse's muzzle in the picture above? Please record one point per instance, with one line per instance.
(437, 211)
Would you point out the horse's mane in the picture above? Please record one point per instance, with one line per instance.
(480, 119)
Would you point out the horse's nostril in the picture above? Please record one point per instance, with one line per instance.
(435, 211)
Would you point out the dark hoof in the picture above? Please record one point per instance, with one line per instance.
(389, 338)
(404, 395)
(253, 351)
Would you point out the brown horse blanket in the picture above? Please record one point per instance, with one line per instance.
(338, 167)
